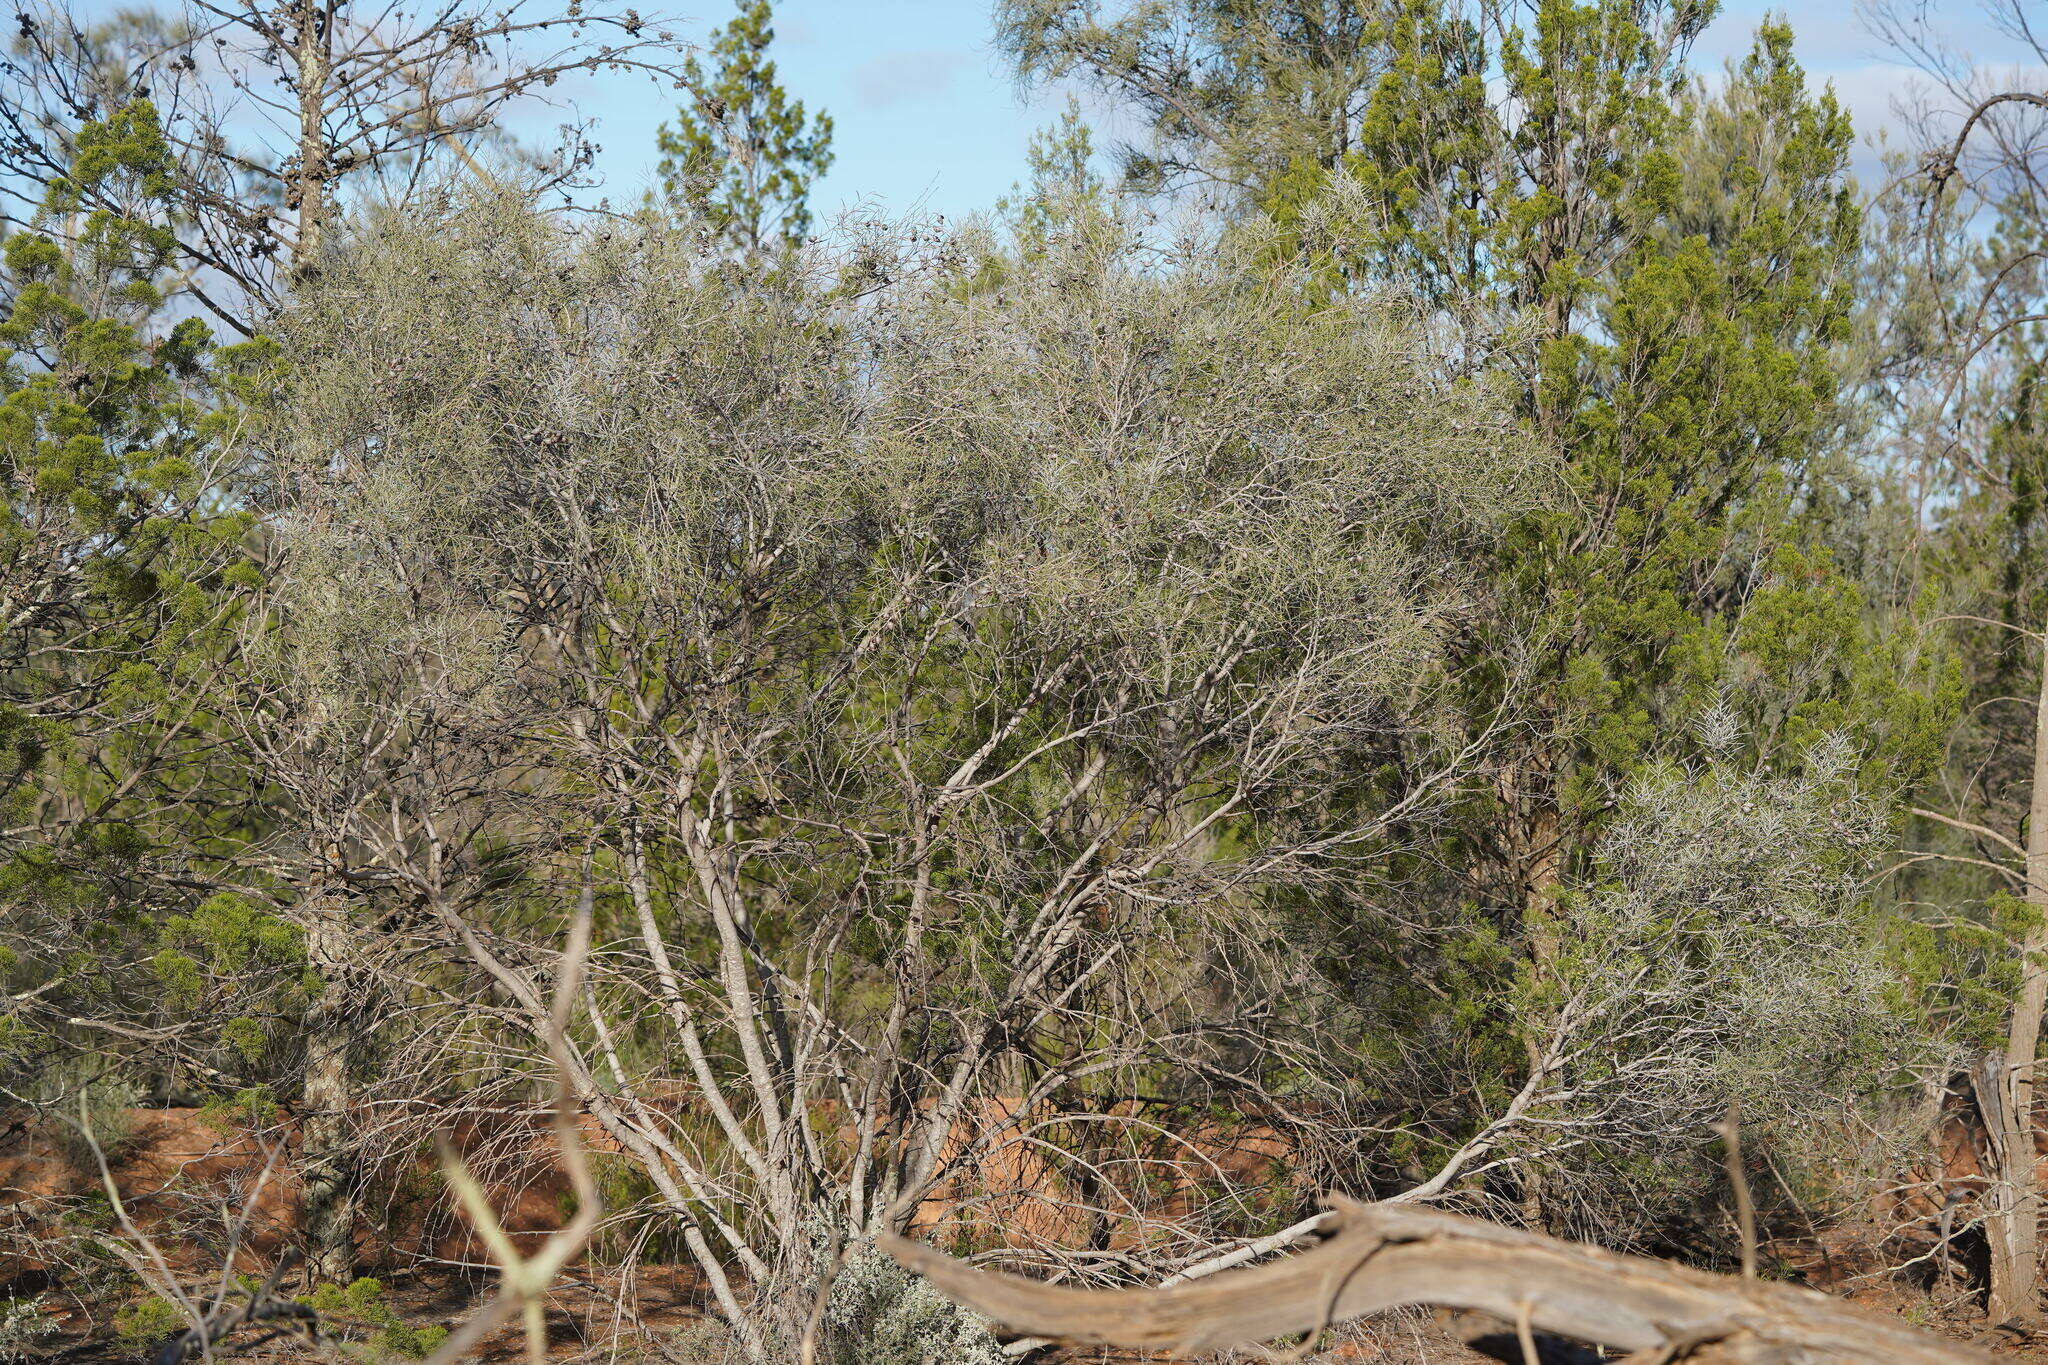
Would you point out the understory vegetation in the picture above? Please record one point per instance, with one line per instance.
(1460, 617)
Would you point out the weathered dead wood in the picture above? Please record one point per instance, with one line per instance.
(1384, 1257)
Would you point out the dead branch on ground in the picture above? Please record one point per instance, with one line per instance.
(1384, 1257)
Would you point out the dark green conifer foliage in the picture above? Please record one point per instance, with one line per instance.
(744, 156)
(1687, 263)
(122, 559)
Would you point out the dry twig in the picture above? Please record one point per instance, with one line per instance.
(527, 1279)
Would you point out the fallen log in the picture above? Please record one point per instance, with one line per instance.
(1385, 1256)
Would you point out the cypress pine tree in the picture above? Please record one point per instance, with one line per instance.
(745, 156)
(123, 561)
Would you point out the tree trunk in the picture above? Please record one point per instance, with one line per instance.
(2014, 1224)
(328, 1200)
(310, 181)
(1542, 883)
(1539, 866)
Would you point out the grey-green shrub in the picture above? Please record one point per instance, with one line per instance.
(878, 1313)
(22, 1325)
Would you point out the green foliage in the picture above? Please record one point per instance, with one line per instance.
(247, 1037)
(1435, 601)
(234, 934)
(1684, 259)
(1169, 544)
(148, 1322)
(360, 1313)
(253, 1107)
(1663, 271)
(121, 442)
(1064, 197)
(226, 949)
(1965, 959)
(634, 1217)
(1688, 374)
(1960, 973)
(743, 156)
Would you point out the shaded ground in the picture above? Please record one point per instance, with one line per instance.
(189, 1179)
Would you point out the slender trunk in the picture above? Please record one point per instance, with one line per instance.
(327, 1098)
(1541, 864)
(310, 182)
(2014, 1224)
(1542, 881)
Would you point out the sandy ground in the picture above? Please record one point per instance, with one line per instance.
(185, 1179)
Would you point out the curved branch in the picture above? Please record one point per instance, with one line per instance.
(1944, 164)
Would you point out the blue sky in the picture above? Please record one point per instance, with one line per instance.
(928, 119)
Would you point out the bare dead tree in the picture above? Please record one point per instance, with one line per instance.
(278, 113)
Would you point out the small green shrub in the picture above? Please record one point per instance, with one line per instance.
(250, 1108)
(360, 1309)
(147, 1321)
